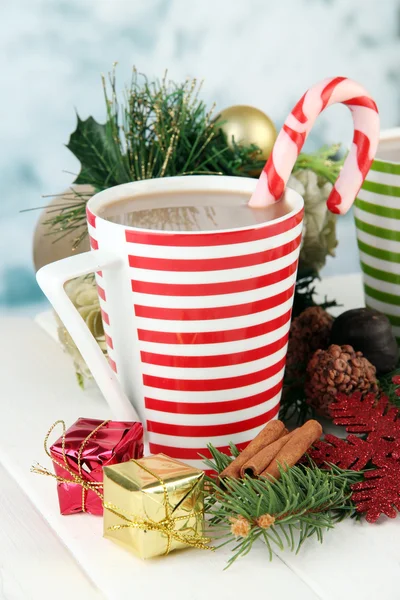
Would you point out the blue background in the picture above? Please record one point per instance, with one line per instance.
(259, 52)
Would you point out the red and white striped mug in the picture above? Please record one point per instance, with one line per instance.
(196, 323)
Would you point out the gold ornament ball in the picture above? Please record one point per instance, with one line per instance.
(248, 125)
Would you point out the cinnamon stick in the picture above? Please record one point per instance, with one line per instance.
(260, 461)
(271, 432)
(293, 450)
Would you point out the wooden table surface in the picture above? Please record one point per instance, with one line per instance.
(44, 555)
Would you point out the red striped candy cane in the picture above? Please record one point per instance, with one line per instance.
(294, 133)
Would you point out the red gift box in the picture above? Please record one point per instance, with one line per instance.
(90, 445)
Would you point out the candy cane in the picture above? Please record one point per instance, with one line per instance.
(294, 132)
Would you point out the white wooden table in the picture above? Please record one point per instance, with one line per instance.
(44, 555)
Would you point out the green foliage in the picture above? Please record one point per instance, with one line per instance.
(293, 406)
(305, 293)
(305, 502)
(389, 388)
(158, 129)
(69, 214)
(325, 163)
(99, 155)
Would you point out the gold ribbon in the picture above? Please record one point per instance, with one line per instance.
(167, 526)
(93, 486)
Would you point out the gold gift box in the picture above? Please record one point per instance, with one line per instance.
(154, 505)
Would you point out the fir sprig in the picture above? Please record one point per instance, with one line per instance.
(305, 502)
(68, 215)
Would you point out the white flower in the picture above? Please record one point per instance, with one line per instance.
(82, 292)
(319, 234)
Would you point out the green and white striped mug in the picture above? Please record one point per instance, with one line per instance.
(377, 216)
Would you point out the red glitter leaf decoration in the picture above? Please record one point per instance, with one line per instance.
(373, 416)
(352, 453)
(364, 415)
(379, 493)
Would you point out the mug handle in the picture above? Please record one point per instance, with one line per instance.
(51, 278)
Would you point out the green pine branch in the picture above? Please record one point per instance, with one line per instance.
(67, 215)
(304, 503)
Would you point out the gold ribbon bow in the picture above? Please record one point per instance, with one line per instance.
(78, 478)
(166, 526)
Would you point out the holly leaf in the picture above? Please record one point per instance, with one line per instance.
(103, 163)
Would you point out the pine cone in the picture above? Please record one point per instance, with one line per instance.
(337, 370)
(309, 332)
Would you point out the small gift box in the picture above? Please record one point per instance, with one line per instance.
(154, 505)
(80, 454)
